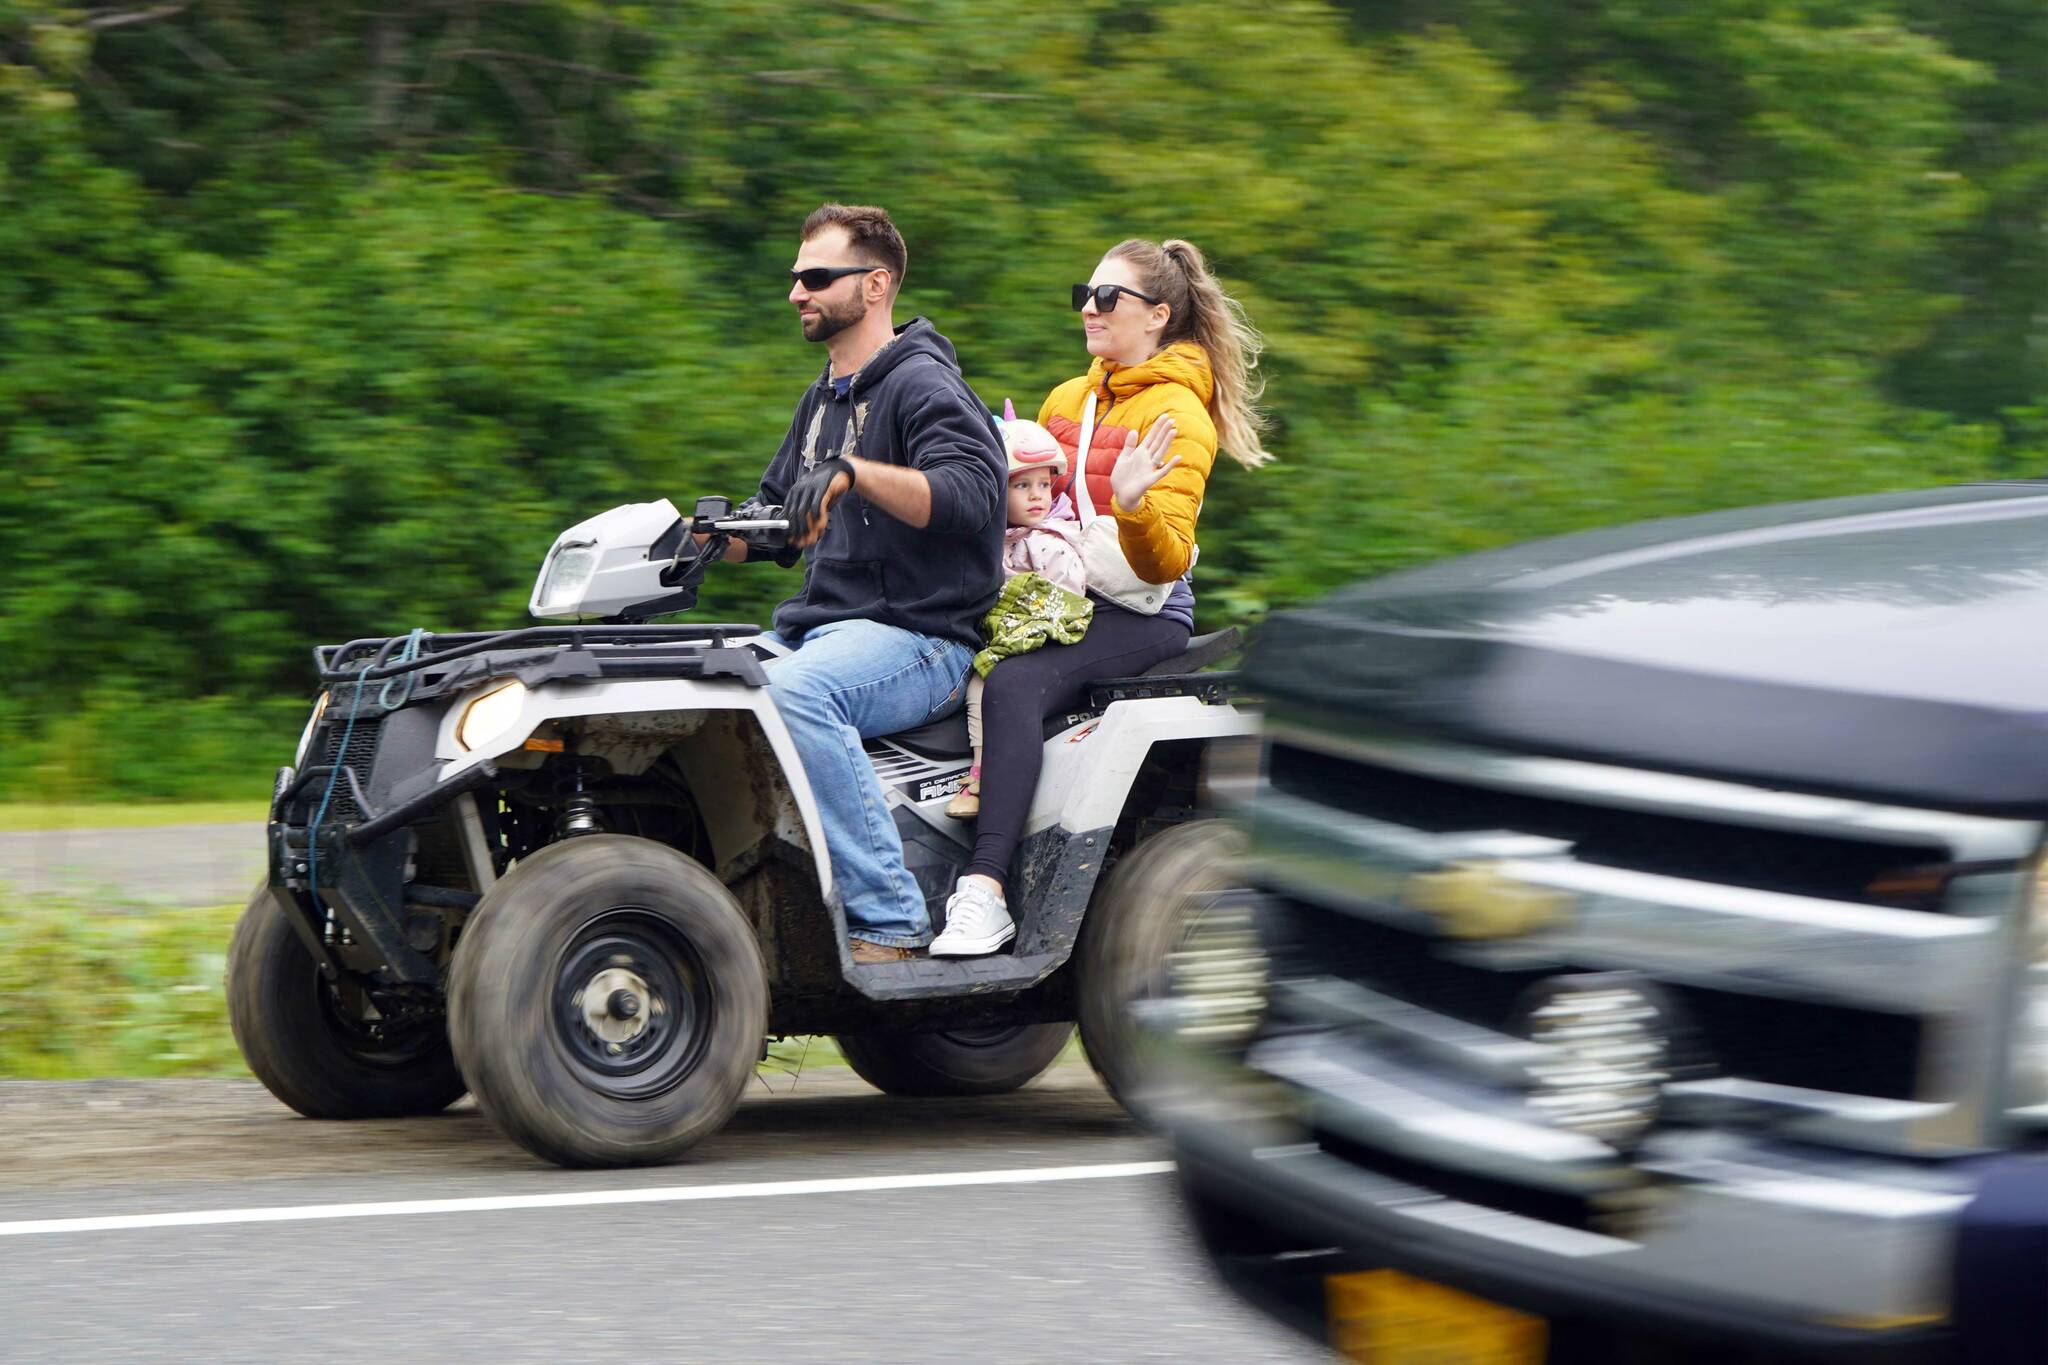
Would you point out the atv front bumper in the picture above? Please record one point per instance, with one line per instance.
(340, 837)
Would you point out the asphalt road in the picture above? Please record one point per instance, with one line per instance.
(1065, 1262)
(179, 865)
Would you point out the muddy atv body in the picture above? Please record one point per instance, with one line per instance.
(577, 870)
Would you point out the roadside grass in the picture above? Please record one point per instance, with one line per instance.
(789, 1059)
(90, 993)
(87, 992)
(21, 816)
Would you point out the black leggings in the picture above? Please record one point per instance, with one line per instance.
(1026, 688)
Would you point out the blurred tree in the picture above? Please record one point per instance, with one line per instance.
(319, 321)
(1822, 128)
(1989, 357)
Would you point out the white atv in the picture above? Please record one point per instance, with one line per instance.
(577, 871)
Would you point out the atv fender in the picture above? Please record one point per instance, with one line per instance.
(729, 737)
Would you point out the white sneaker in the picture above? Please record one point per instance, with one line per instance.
(976, 922)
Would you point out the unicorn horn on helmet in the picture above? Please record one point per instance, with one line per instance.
(1029, 445)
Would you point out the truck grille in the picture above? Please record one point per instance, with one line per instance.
(1794, 862)
(1785, 1042)
(1826, 952)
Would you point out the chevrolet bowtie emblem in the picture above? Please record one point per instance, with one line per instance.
(1478, 900)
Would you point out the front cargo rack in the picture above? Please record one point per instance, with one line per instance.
(617, 650)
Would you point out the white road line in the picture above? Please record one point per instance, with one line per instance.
(660, 1194)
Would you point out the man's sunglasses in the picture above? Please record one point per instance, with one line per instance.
(1105, 296)
(818, 276)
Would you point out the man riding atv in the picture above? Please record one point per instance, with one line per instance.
(892, 440)
(584, 870)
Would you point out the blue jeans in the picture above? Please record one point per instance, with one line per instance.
(849, 681)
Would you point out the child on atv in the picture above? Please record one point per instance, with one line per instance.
(1044, 596)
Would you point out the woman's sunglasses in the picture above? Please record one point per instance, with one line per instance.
(818, 276)
(1105, 296)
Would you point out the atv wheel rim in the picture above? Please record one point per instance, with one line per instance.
(617, 1005)
(632, 1005)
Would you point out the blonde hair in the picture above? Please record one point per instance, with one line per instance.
(1203, 313)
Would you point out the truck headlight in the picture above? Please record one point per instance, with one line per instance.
(568, 572)
(491, 714)
(306, 737)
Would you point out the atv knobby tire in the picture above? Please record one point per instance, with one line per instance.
(1133, 923)
(567, 1075)
(964, 1062)
(302, 1043)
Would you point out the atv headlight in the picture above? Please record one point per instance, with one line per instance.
(491, 714)
(306, 738)
(567, 574)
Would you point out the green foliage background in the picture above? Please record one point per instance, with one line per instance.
(149, 980)
(318, 321)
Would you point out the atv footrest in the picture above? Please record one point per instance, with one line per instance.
(922, 977)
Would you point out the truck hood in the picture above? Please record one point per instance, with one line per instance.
(1890, 647)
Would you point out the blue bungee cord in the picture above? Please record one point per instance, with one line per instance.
(405, 655)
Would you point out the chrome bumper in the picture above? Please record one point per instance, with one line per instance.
(1706, 1226)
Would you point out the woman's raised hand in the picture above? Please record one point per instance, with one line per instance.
(1142, 463)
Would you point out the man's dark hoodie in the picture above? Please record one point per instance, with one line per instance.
(908, 405)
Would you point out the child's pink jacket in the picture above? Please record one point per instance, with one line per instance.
(1052, 549)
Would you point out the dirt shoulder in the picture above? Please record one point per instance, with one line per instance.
(71, 1134)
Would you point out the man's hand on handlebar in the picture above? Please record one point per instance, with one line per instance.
(809, 504)
(752, 530)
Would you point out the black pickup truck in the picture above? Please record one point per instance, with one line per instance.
(1650, 955)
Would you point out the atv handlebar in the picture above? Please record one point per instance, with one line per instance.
(759, 525)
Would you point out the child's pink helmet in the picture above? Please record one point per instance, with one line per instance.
(1030, 446)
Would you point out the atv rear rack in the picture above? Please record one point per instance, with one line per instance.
(1211, 689)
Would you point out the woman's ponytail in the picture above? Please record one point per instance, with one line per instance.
(1204, 314)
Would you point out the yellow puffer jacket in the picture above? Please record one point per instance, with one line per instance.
(1158, 535)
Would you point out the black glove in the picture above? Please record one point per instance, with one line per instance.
(811, 497)
(770, 545)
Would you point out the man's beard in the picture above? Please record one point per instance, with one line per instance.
(828, 324)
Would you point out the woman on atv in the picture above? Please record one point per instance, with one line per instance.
(1171, 379)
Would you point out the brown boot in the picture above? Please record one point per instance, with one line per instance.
(865, 952)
